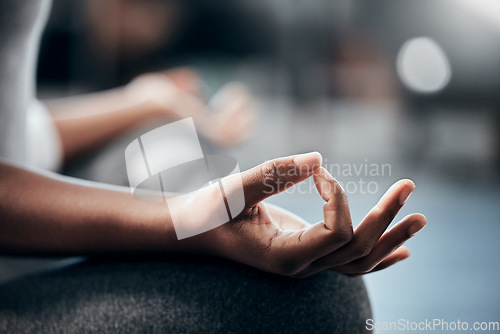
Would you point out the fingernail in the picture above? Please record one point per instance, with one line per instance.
(415, 227)
(308, 162)
(405, 194)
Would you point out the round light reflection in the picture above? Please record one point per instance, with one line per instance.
(423, 66)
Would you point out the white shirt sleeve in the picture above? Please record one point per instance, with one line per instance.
(44, 147)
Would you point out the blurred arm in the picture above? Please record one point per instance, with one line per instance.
(88, 122)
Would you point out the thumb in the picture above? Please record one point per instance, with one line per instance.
(275, 176)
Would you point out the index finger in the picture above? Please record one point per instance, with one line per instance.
(371, 228)
(309, 244)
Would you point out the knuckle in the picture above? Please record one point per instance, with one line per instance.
(271, 173)
(345, 199)
(333, 187)
(268, 167)
(341, 196)
(361, 250)
(268, 170)
(342, 236)
(338, 190)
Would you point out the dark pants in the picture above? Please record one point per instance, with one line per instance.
(182, 295)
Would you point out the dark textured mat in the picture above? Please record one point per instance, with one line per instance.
(181, 295)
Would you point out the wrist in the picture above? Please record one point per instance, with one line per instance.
(197, 221)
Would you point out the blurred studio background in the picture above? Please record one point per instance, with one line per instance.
(414, 85)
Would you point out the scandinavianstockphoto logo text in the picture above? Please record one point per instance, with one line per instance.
(363, 178)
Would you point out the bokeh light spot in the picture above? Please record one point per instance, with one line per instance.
(423, 66)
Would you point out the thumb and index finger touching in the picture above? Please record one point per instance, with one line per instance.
(275, 176)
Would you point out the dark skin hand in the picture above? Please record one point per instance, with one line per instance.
(274, 240)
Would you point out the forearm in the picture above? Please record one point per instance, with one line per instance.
(87, 122)
(41, 215)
